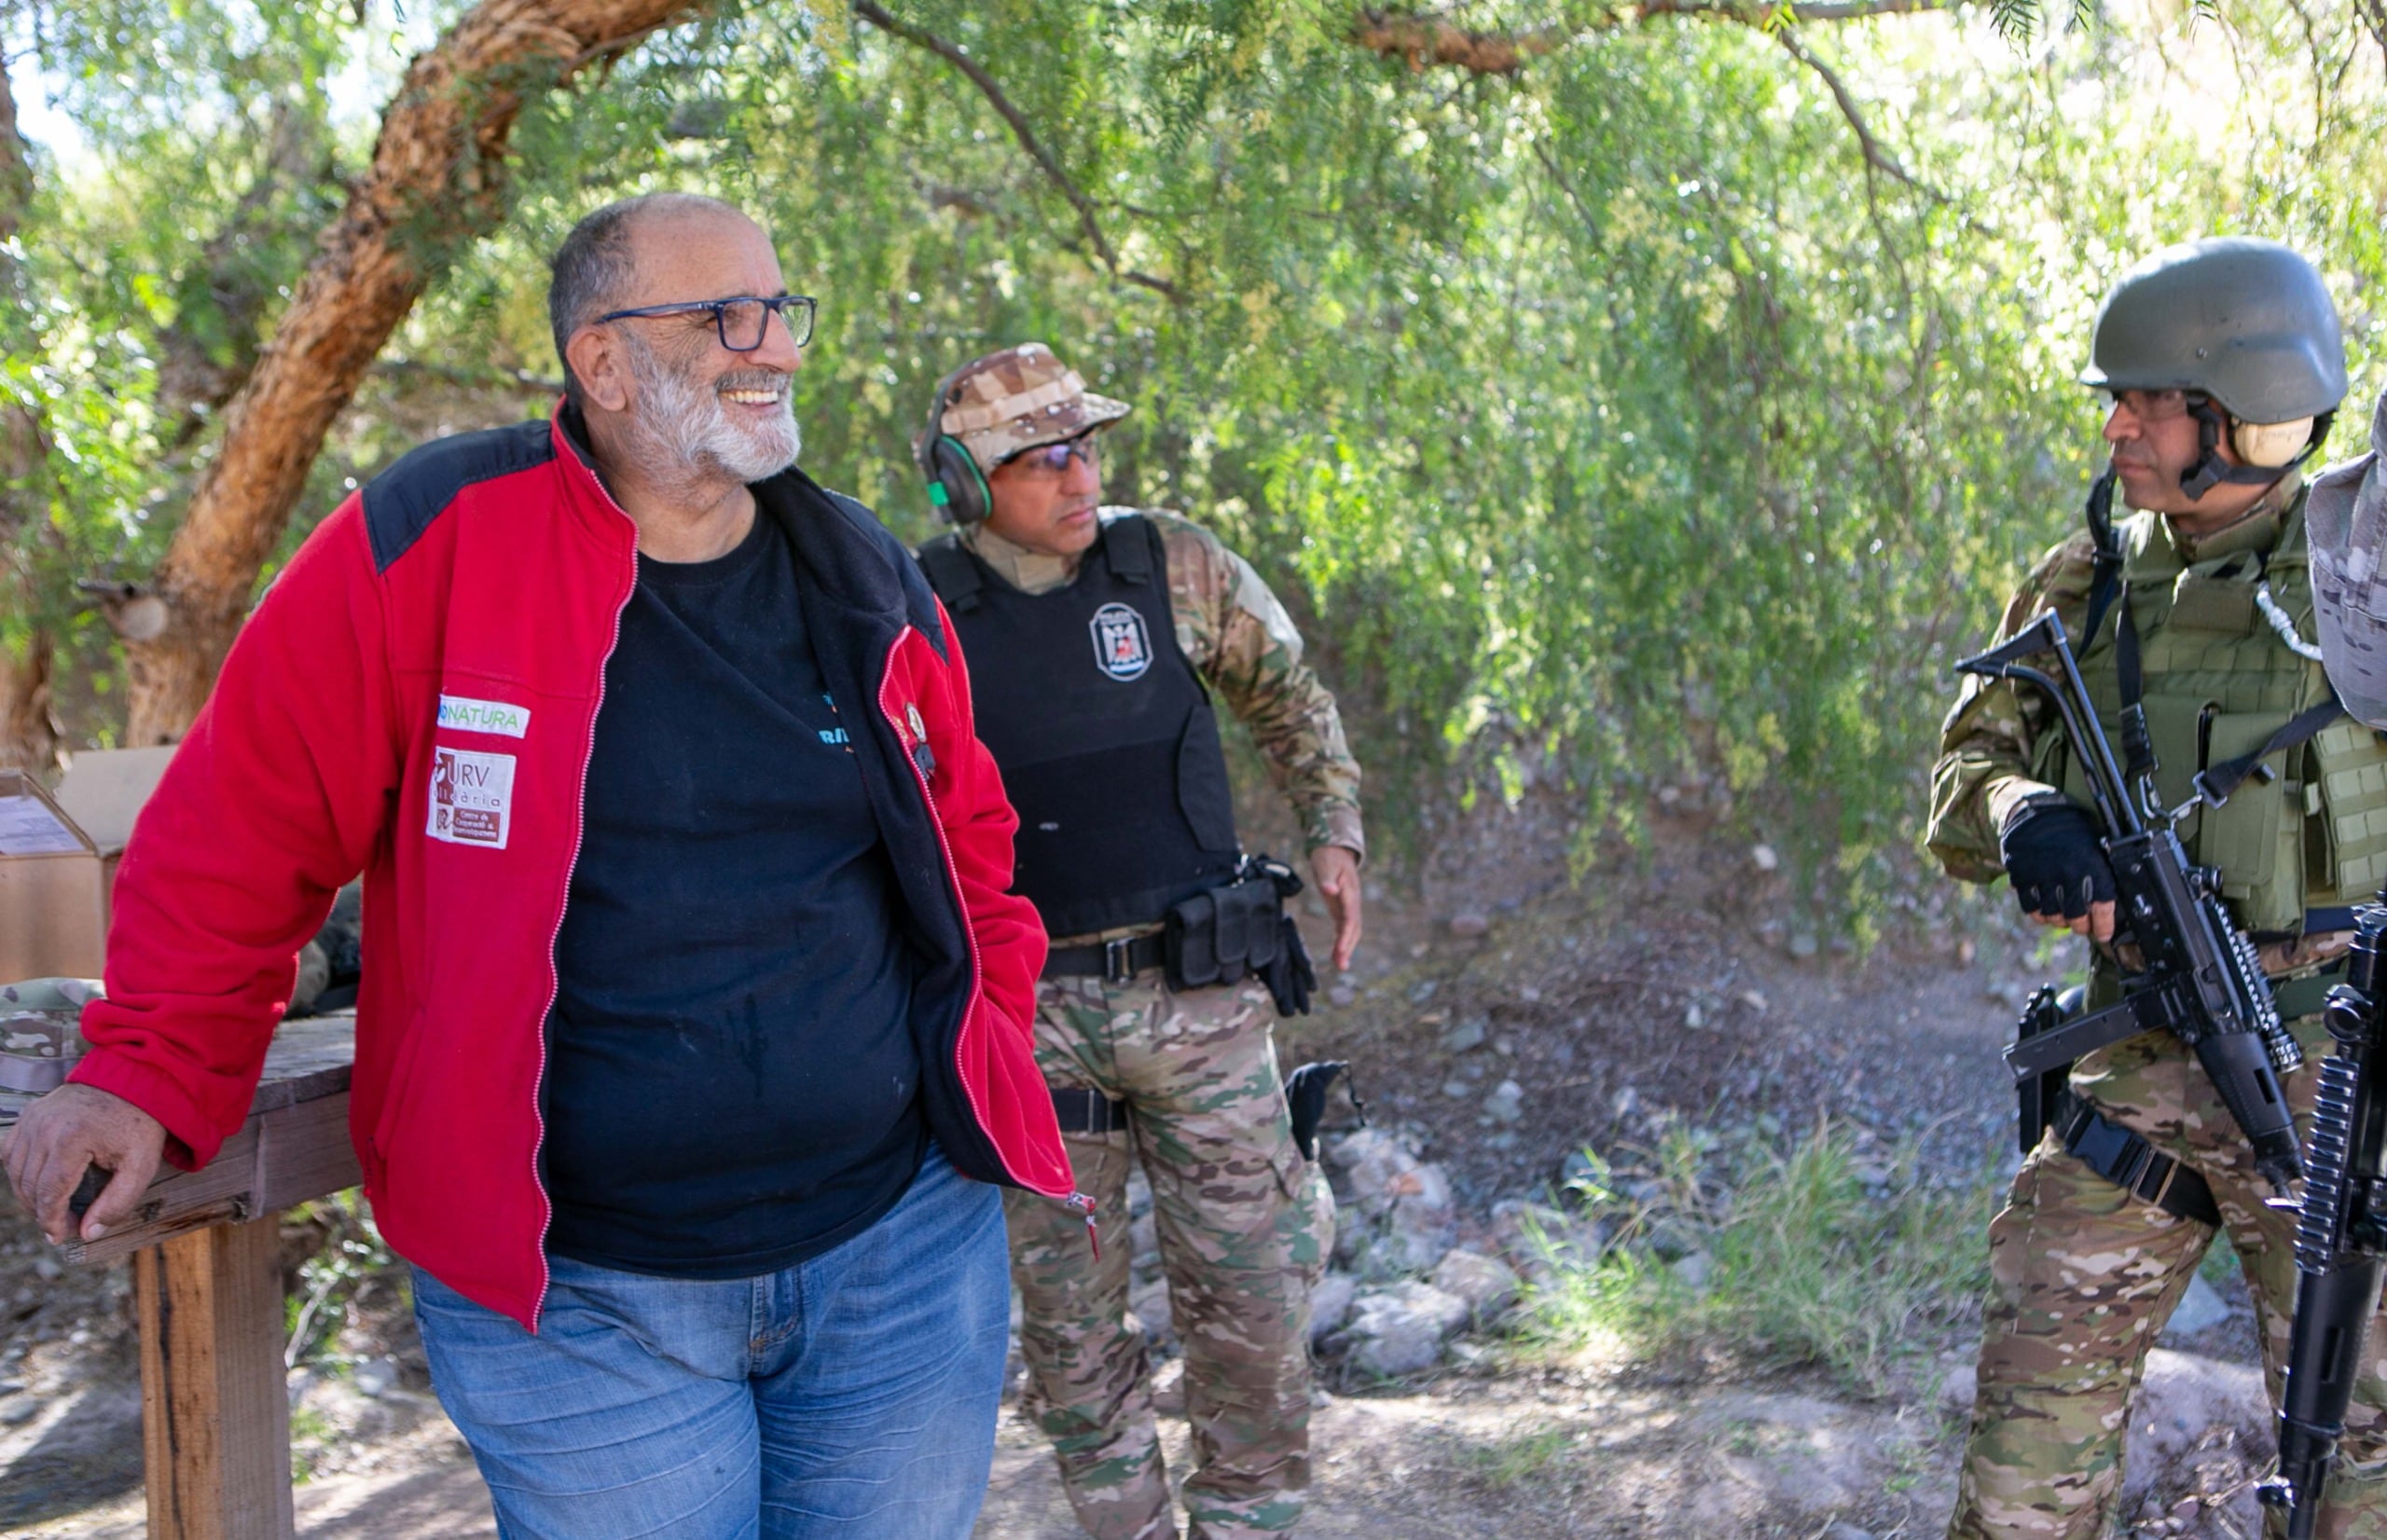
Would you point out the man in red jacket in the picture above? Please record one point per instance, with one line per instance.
(697, 1026)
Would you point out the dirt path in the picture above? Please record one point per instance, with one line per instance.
(1545, 1459)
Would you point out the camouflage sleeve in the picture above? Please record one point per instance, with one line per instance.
(1993, 733)
(1238, 634)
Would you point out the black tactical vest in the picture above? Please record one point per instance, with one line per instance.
(1103, 730)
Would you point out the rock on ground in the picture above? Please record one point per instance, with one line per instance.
(1486, 1283)
(1329, 1303)
(1781, 1456)
(1396, 1213)
(2199, 1430)
(1400, 1329)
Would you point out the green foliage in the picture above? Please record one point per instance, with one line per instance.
(1606, 425)
(1814, 1257)
(1520, 1459)
(346, 1252)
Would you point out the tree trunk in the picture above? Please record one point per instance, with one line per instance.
(28, 731)
(436, 182)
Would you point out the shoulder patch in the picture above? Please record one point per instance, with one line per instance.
(401, 501)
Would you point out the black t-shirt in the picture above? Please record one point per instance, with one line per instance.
(732, 1085)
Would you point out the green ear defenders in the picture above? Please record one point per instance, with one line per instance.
(958, 490)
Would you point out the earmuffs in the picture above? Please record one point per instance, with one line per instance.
(2266, 450)
(2273, 446)
(958, 490)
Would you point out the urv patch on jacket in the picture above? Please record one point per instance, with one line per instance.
(472, 793)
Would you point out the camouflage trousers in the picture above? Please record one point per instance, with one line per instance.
(1245, 1226)
(2083, 1277)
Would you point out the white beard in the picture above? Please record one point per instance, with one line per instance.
(683, 433)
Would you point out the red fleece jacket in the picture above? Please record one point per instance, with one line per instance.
(414, 698)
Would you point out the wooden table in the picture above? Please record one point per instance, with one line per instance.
(207, 1284)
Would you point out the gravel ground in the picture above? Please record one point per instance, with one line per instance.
(1506, 1018)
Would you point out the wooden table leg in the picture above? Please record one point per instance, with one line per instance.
(215, 1412)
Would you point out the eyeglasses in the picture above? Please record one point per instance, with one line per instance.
(2154, 405)
(1053, 458)
(741, 321)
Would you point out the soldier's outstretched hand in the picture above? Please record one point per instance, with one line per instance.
(1338, 881)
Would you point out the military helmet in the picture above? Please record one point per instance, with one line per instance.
(2247, 322)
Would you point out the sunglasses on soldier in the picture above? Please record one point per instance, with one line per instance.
(2155, 405)
(1053, 458)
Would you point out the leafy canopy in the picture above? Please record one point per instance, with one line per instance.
(1612, 422)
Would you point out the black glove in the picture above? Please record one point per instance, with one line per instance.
(2056, 860)
(1288, 975)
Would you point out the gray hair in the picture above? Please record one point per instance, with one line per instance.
(592, 267)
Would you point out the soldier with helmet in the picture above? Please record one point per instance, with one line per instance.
(2224, 363)
(1097, 640)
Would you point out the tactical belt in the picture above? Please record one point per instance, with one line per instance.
(2132, 1165)
(1113, 962)
(1083, 1111)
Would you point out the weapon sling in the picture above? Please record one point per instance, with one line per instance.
(2203, 973)
(2054, 1051)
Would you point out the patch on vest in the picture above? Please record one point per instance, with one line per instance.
(1122, 648)
(471, 796)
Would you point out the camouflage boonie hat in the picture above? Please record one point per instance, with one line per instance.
(1018, 398)
(2345, 518)
(40, 1035)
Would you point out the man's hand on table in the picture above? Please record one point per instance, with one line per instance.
(74, 1127)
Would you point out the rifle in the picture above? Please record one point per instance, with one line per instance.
(2341, 1236)
(2202, 980)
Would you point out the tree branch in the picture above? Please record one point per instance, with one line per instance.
(1877, 156)
(1423, 38)
(2374, 15)
(959, 57)
(438, 180)
(1806, 10)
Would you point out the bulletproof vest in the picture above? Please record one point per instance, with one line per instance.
(2218, 681)
(1103, 730)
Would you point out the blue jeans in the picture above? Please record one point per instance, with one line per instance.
(849, 1397)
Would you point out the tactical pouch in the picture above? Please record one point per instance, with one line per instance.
(1220, 934)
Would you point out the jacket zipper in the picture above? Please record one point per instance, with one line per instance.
(1077, 1202)
(555, 977)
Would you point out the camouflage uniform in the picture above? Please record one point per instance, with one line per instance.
(2084, 1276)
(1245, 1224)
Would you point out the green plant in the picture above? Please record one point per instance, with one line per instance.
(347, 1253)
(309, 1430)
(1810, 1257)
(1519, 1459)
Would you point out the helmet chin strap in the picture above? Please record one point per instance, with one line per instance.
(2211, 470)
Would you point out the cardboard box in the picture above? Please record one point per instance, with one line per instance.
(58, 860)
(104, 791)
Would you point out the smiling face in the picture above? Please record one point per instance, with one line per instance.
(685, 407)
